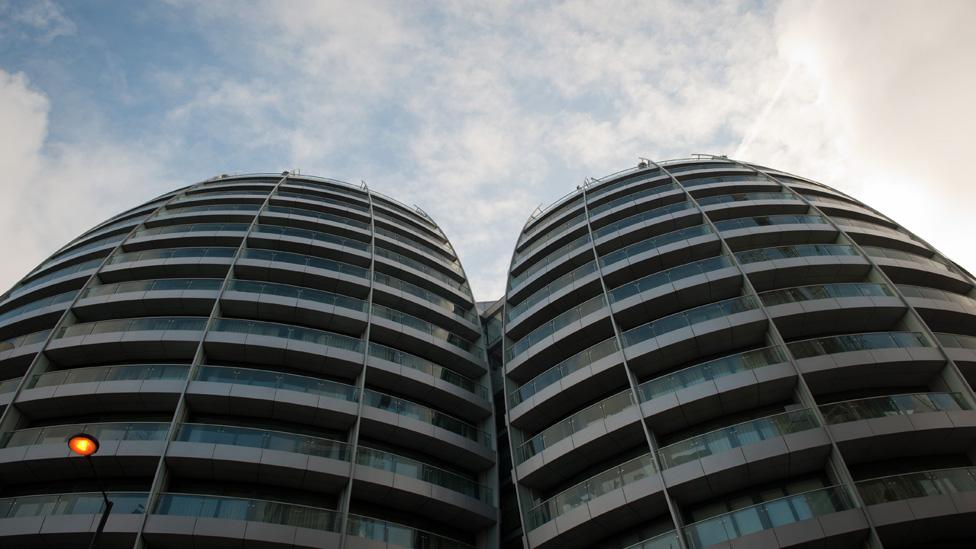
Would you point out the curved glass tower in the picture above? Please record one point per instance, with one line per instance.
(268, 361)
(704, 353)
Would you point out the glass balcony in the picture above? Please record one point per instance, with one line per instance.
(317, 236)
(567, 427)
(175, 209)
(9, 385)
(297, 292)
(572, 364)
(424, 268)
(858, 223)
(892, 405)
(688, 318)
(87, 503)
(424, 414)
(933, 293)
(159, 285)
(443, 256)
(265, 439)
(304, 212)
(399, 535)
(798, 250)
(193, 228)
(667, 540)
(668, 276)
(701, 166)
(942, 482)
(426, 229)
(744, 178)
(66, 297)
(422, 325)
(736, 436)
(653, 243)
(24, 340)
(551, 258)
(412, 468)
(742, 197)
(766, 220)
(423, 365)
(305, 260)
(171, 253)
(591, 488)
(956, 341)
(287, 331)
(934, 261)
(632, 198)
(158, 323)
(707, 371)
(53, 275)
(282, 192)
(612, 182)
(94, 244)
(544, 292)
(642, 217)
(426, 295)
(277, 380)
(856, 342)
(551, 235)
(256, 510)
(96, 374)
(576, 314)
(59, 434)
(825, 291)
(767, 515)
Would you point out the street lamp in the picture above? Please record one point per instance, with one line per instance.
(85, 445)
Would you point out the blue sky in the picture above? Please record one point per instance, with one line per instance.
(477, 111)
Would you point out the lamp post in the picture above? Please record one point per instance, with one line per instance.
(85, 445)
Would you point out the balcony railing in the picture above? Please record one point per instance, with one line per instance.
(642, 217)
(317, 236)
(713, 369)
(856, 342)
(423, 365)
(265, 439)
(59, 434)
(653, 243)
(427, 415)
(569, 426)
(736, 436)
(941, 482)
(892, 405)
(86, 503)
(956, 341)
(668, 276)
(287, 331)
(172, 253)
(544, 292)
(159, 285)
(925, 292)
(425, 327)
(399, 535)
(632, 198)
(566, 318)
(825, 291)
(297, 292)
(304, 212)
(742, 197)
(426, 295)
(934, 261)
(688, 318)
(277, 380)
(97, 374)
(156, 323)
(39, 304)
(566, 367)
(24, 340)
(767, 220)
(192, 228)
(400, 465)
(256, 510)
(552, 257)
(799, 250)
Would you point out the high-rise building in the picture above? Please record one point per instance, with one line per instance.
(267, 360)
(705, 353)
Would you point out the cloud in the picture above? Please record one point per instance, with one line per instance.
(42, 20)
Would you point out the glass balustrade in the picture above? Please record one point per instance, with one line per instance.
(60, 273)
(934, 261)
(591, 488)
(175, 209)
(423, 365)
(192, 228)
(564, 368)
(287, 331)
(941, 482)
(551, 258)
(736, 436)
(742, 197)
(847, 222)
(277, 380)
(283, 192)
(611, 182)
(73, 252)
(400, 465)
(653, 243)
(825, 291)
(956, 341)
(24, 340)
(85, 503)
(669, 276)
(263, 438)
(798, 250)
(172, 253)
(158, 285)
(566, 318)
(571, 425)
(183, 323)
(9, 385)
(856, 342)
(768, 220)
(424, 414)
(702, 166)
(256, 510)
(424, 229)
(297, 292)
(642, 217)
(892, 405)
(422, 325)
(59, 434)
(65, 297)
(399, 535)
(551, 235)
(425, 294)
(667, 540)
(442, 256)
(305, 260)
(699, 181)
(924, 292)
(305, 212)
(767, 515)
(317, 236)
(424, 268)
(708, 371)
(97, 374)
(688, 318)
(632, 198)
(549, 289)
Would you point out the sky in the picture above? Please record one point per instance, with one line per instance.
(478, 111)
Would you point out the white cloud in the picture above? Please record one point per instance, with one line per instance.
(42, 20)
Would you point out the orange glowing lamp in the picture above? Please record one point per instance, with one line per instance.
(83, 444)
